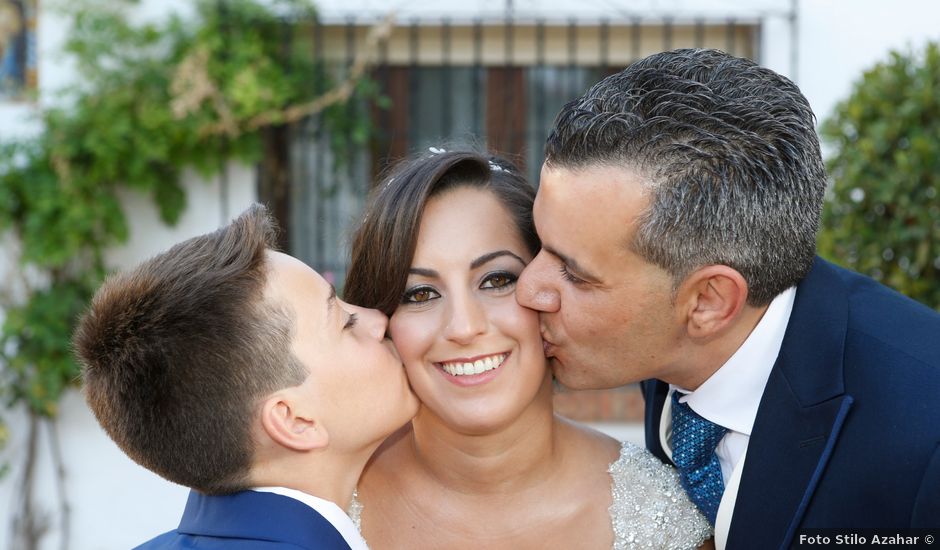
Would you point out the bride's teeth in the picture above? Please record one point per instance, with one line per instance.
(477, 367)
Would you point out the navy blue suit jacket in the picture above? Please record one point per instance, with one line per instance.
(848, 429)
(249, 520)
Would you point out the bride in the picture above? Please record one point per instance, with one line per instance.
(486, 463)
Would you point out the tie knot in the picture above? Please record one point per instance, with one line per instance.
(693, 438)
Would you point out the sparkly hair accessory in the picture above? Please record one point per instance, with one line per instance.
(493, 166)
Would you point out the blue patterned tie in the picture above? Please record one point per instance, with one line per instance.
(693, 451)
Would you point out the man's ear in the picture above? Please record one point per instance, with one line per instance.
(289, 426)
(712, 298)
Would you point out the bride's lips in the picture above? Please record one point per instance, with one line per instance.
(484, 368)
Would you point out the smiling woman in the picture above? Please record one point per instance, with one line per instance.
(486, 463)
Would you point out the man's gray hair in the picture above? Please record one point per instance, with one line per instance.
(731, 156)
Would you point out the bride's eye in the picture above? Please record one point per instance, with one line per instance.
(419, 295)
(499, 280)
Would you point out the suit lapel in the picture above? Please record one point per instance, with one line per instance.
(654, 395)
(786, 456)
(801, 413)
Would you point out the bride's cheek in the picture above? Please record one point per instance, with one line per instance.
(410, 339)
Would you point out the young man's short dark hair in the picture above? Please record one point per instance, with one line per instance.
(178, 352)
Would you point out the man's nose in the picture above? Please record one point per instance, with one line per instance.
(534, 289)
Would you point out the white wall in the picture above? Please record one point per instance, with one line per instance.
(115, 503)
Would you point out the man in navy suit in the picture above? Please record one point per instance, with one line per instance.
(678, 209)
(235, 370)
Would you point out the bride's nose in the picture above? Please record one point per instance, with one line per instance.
(465, 320)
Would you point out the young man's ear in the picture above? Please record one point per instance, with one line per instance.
(291, 426)
(711, 298)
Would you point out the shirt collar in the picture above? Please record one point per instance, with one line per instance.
(329, 510)
(731, 396)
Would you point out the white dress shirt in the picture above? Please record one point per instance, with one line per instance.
(730, 398)
(329, 510)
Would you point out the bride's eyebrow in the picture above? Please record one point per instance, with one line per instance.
(488, 257)
(492, 256)
(424, 272)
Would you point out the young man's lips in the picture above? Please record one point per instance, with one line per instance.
(390, 346)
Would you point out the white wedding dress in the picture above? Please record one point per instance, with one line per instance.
(650, 510)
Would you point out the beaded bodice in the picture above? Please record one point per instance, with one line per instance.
(650, 509)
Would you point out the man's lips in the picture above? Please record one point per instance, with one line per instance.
(548, 348)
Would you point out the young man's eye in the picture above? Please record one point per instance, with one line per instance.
(568, 276)
(419, 295)
(499, 280)
(351, 321)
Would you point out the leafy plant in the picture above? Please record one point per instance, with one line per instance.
(882, 217)
(154, 99)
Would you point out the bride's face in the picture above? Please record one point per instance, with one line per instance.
(473, 355)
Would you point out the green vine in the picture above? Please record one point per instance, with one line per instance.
(154, 99)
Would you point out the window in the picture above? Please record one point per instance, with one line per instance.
(17, 48)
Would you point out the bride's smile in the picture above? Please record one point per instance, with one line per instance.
(474, 366)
